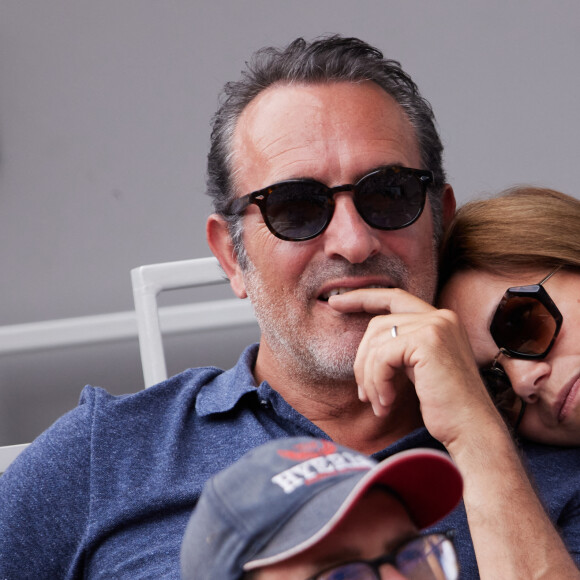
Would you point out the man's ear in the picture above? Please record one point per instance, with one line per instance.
(448, 205)
(220, 243)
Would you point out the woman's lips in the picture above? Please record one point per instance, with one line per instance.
(569, 400)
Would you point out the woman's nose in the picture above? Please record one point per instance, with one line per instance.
(527, 377)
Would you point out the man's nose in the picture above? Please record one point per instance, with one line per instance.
(348, 235)
(527, 377)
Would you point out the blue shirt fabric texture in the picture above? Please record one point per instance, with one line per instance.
(107, 491)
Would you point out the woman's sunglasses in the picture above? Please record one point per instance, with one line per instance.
(502, 394)
(525, 325)
(526, 322)
(389, 198)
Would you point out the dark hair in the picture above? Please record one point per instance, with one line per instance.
(327, 59)
(523, 228)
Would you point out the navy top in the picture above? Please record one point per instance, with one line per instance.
(107, 491)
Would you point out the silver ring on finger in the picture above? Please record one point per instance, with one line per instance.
(394, 333)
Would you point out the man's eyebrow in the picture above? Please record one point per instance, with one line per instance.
(364, 173)
(358, 177)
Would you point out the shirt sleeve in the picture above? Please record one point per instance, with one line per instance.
(44, 502)
(569, 522)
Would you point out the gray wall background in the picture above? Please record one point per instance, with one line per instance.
(104, 129)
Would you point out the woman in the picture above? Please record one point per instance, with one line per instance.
(511, 271)
(522, 241)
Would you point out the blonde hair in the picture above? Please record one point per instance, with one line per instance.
(523, 227)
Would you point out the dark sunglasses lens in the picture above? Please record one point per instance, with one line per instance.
(501, 392)
(498, 385)
(390, 200)
(523, 325)
(298, 211)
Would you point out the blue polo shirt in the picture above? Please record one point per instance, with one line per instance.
(107, 491)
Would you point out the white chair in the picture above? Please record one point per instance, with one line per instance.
(9, 453)
(149, 281)
(152, 321)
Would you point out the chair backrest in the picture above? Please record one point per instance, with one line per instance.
(9, 453)
(148, 281)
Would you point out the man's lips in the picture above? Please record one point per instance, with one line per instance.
(326, 294)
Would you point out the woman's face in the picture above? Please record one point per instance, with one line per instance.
(550, 386)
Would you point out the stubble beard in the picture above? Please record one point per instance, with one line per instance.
(314, 356)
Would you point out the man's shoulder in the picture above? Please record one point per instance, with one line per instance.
(201, 388)
(98, 407)
(111, 460)
(187, 383)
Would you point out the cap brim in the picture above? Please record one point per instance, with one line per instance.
(425, 480)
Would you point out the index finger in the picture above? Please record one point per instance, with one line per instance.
(378, 301)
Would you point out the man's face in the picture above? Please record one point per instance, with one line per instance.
(334, 133)
(376, 526)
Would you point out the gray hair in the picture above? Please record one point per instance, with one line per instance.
(327, 59)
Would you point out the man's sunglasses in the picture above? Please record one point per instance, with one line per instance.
(389, 198)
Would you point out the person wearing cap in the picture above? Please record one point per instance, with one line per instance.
(304, 508)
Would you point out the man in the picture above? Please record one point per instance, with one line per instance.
(108, 489)
(333, 513)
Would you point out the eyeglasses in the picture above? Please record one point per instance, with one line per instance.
(526, 322)
(389, 198)
(525, 325)
(502, 394)
(428, 557)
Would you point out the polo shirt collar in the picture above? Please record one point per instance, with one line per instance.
(224, 392)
